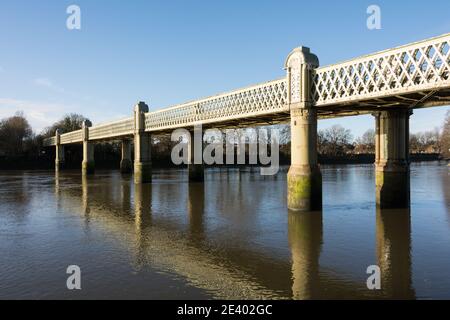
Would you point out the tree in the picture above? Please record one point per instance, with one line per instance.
(366, 143)
(445, 137)
(425, 142)
(68, 123)
(14, 131)
(335, 141)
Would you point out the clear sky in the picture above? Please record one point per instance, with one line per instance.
(169, 52)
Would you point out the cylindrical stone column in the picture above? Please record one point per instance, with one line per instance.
(304, 176)
(59, 152)
(392, 159)
(88, 164)
(125, 162)
(142, 146)
(195, 155)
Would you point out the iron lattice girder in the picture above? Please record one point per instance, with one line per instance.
(413, 76)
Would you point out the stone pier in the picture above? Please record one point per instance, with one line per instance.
(142, 146)
(59, 156)
(125, 162)
(88, 164)
(195, 165)
(304, 176)
(392, 159)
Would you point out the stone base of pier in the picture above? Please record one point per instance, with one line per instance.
(126, 166)
(392, 185)
(304, 188)
(142, 172)
(88, 167)
(59, 165)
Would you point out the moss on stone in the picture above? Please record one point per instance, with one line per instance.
(305, 192)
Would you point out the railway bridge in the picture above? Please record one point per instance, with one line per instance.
(389, 85)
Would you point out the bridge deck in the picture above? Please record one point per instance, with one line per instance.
(413, 76)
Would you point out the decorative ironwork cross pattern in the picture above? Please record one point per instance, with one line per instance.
(411, 68)
(71, 137)
(269, 97)
(112, 129)
(418, 67)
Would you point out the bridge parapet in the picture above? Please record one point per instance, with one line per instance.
(418, 67)
(72, 137)
(112, 129)
(266, 98)
(409, 76)
(49, 142)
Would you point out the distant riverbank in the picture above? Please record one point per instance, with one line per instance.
(370, 158)
(46, 163)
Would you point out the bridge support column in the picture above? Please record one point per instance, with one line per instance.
(59, 154)
(88, 164)
(392, 159)
(142, 146)
(125, 162)
(304, 176)
(195, 166)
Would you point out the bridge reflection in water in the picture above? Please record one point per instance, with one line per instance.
(231, 262)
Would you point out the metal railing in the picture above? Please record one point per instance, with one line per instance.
(112, 129)
(265, 98)
(415, 67)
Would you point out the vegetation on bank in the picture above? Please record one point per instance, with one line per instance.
(21, 148)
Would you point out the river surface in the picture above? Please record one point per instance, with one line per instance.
(231, 237)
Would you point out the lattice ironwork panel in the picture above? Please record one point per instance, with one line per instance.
(419, 66)
(49, 142)
(269, 97)
(112, 129)
(72, 137)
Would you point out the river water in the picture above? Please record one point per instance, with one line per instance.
(231, 237)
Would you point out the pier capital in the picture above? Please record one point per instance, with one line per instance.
(139, 116)
(299, 65)
(141, 107)
(85, 127)
(58, 136)
(87, 123)
(299, 56)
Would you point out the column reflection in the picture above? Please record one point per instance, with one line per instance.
(393, 235)
(305, 232)
(196, 209)
(142, 219)
(125, 193)
(57, 187)
(85, 195)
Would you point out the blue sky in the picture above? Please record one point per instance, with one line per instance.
(168, 52)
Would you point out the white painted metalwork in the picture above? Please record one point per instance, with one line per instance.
(381, 79)
(112, 129)
(266, 98)
(49, 142)
(72, 137)
(416, 67)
